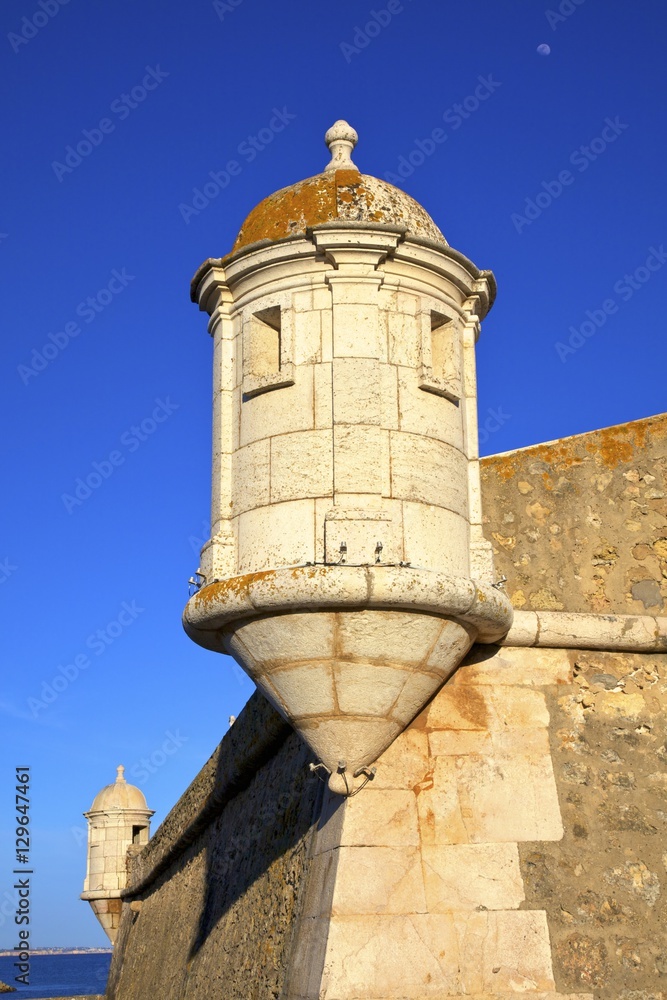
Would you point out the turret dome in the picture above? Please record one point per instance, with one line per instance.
(119, 795)
(339, 193)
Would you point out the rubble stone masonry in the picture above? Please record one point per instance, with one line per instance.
(580, 524)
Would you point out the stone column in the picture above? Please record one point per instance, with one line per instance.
(218, 557)
(481, 551)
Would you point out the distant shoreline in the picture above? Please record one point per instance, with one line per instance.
(60, 951)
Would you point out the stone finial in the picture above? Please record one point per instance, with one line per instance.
(341, 139)
(120, 774)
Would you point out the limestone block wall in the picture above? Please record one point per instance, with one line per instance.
(580, 524)
(110, 836)
(428, 896)
(344, 402)
(512, 842)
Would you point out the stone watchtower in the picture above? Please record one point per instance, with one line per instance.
(117, 818)
(346, 570)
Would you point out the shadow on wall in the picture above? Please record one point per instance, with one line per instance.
(220, 884)
(256, 854)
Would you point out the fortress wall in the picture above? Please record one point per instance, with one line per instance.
(512, 842)
(604, 885)
(513, 839)
(219, 885)
(580, 524)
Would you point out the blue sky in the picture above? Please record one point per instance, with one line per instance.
(553, 176)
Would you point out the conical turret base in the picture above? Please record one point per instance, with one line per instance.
(352, 670)
(349, 681)
(107, 909)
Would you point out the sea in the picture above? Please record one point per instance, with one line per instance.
(59, 976)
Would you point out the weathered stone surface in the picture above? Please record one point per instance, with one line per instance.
(258, 734)
(472, 876)
(470, 865)
(436, 955)
(379, 880)
(220, 920)
(604, 886)
(580, 524)
(339, 194)
(349, 680)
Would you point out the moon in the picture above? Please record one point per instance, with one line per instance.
(544, 49)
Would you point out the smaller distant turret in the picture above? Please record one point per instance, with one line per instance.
(117, 818)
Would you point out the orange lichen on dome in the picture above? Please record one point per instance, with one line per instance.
(290, 211)
(336, 194)
(347, 177)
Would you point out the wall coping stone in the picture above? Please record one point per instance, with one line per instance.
(570, 630)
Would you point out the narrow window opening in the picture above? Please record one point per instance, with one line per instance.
(441, 345)
(440, 372)
(137, 835)
(267, 362)
(264, 353)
